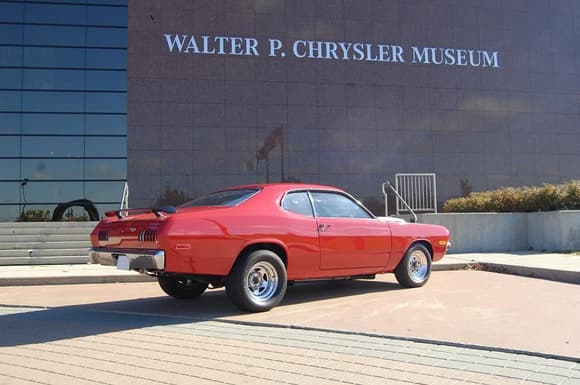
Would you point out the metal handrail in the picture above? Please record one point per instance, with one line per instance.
(387, 183)
(125, 197)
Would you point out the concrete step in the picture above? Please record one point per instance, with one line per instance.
(10, 225)
(44, 245)
(45, 260)
(45, 230)
(39, 253)
(43, 238)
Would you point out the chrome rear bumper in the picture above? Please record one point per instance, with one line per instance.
(128, 259)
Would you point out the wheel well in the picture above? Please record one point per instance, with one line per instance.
(273, 247)
(425, 243)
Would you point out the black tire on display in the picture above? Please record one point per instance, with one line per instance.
(415, 267)
(257, 281)
(181, 288)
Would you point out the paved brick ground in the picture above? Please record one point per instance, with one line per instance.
(68, 346)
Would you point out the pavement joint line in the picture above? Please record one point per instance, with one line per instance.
(323, 330)
(413, 339)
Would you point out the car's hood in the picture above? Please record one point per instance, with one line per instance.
(392, 219)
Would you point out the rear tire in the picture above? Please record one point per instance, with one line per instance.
(257, 281)
(182, 288)
(415, 267)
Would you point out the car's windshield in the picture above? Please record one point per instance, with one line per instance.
(222, 198)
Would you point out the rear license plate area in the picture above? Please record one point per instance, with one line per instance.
(123, 262)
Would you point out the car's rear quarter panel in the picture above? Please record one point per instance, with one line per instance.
(209, 243)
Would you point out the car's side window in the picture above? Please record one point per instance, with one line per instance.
(298, 203)
(330, 204)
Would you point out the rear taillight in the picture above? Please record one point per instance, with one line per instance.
(103, 235)
(148, 236)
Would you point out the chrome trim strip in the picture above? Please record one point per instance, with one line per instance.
(138, 259)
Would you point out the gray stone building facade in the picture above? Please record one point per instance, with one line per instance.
(349, 92)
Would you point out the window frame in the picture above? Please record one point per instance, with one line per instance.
(345, 195)
(249, 193)
(313, 207)
(312, 213)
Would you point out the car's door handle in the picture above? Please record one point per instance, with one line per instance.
(323, 227)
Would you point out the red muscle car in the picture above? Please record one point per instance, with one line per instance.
(255, 239)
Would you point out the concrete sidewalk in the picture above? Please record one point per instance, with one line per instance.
(552, 266)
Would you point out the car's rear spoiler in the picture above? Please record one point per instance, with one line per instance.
(158, 211)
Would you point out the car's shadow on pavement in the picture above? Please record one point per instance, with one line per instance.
(23, 326)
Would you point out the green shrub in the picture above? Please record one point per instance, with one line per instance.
(35, 215)
(548, 197)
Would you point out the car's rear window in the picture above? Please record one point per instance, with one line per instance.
(222, 198)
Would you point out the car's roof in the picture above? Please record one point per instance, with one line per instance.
(284, 187)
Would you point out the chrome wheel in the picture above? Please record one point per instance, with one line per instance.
(262, 281)
(415, 267)
(418, 266)
(257, 282)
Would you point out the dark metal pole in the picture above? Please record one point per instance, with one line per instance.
(268, 168)
(282, 171)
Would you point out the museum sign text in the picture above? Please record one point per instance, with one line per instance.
(330, 50)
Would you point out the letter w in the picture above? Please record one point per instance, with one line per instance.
(173, 40)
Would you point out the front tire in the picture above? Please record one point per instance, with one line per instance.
(415, 267)
(257, 282)
(181, 288)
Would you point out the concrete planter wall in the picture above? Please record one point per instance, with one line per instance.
(496, 232)
(556, 230)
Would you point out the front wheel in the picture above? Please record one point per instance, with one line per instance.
(415, 267)
(181, 288)
(257, 282)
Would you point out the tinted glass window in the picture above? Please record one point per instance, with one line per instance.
(52, 146)
(328, 204)
(104, 191)
(9, 123)
(40, 101)
(10, 100)
(113, 16)
(56, 192)
(52, 169)
(106, 168)
(10, 56)
(106, 80)
(54, 57)
(106, 102)
(113, 2)
(63, 79)
(106, 124)
(53, 35)
(55, 14)
(106, 146)
(52, 124)
(222, 198)
(10, 78)
(9, 191)
(106, 58)
(9, 145)
(106, 37)
(11, 12)
(54, 79)
(10, 33)
(298, 203)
